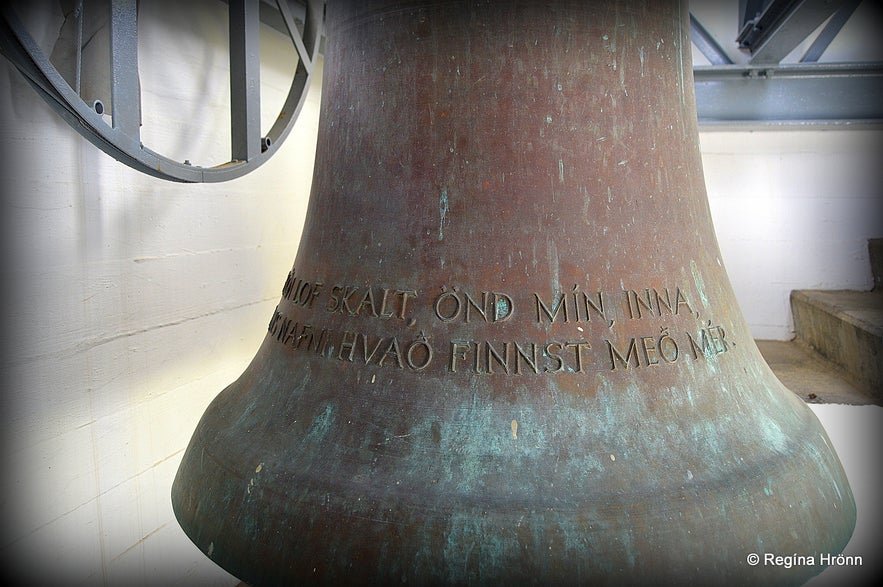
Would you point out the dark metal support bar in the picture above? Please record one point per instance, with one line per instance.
(757, 28)
(782, 26)
(125, 87)
(245, 86)
(749, 10)
(830, 31)
(706, 44)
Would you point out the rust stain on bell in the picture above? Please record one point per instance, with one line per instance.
(508, 349)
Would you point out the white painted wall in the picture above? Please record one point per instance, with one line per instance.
(129, 302)
(793, 209)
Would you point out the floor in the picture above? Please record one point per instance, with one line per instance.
(811, 377)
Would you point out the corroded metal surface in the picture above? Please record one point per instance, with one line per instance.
(508, 349)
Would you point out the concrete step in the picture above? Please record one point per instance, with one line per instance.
(846, 328)
(812, 377)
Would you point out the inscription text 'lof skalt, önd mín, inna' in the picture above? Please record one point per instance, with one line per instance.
(666, 345)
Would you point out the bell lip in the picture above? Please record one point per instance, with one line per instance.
(239, 558)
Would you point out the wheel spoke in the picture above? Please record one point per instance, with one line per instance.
(245, 82)
(121, 139)
(125, 87)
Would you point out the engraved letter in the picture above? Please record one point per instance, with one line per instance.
(322, 342)
(347, 344)
(383, 313)
(334, 299)
(557, 306)
(451, 313)
(558, 361)
(713, 342)
(392, 351)
(348, 292)
(289, 282)
(697, 350)
(503, 307)
(271, 328)
(367, 302)
(530, 360)
(668, 348)
(578, 353)
(370, 356)
(286, 324)
(648, 345)
(289, 338)
(615, 354)
(407, 293)
(660, 304)
(306, 333)
(648, 304)
(598, 308)
(722, 334)
(317, 289)
(426, 350)
(503, 361)
(474, 304)
(458, 351)
(680, 299)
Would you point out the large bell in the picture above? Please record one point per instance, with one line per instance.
(509, 349)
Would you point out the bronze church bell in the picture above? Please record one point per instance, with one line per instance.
(508, 350)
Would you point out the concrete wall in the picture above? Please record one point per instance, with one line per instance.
(793, 209)
(129, 302)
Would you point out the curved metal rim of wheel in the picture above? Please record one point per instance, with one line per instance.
(122, 140)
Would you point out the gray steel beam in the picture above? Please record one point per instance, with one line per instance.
(783, 25)
(272, 17)
(245, 81)
(706, 43)
(833, 26)
(800, 94)
(291, 28)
